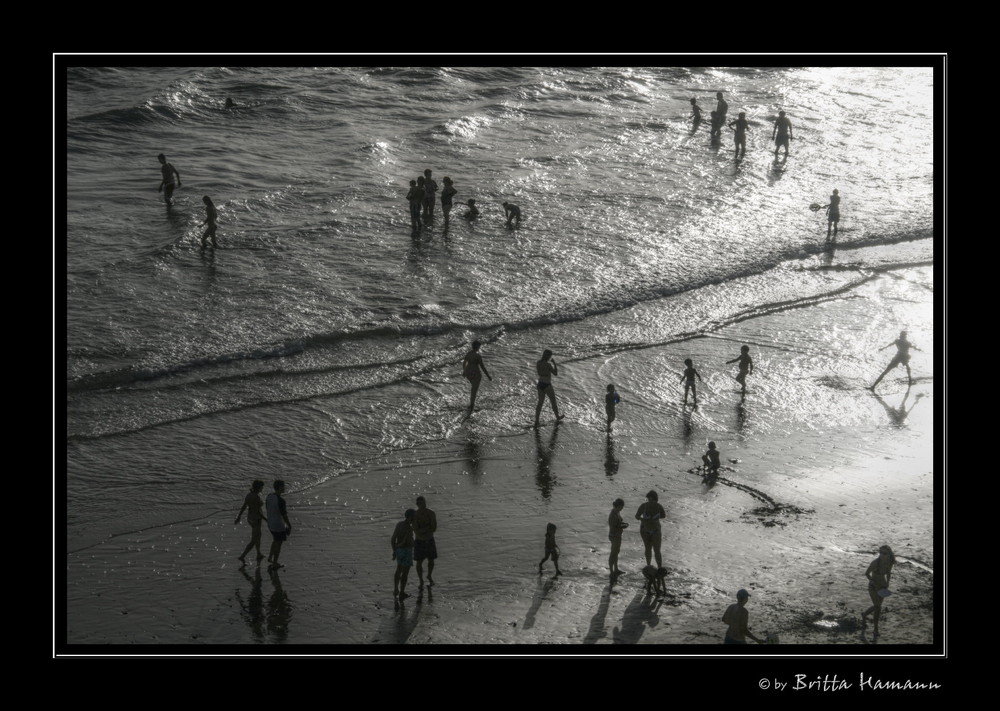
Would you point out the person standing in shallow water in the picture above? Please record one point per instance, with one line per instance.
(746, 366)
(740, 125)
(211, 215)
(738, 619)
(401, 543)
(833, 214)
(424, 547)
(446, 195)
(721, 109)
(902, 356)
(695, 112)
(782, 133)
(168, 172)
(253, 505)
(878, 575)
(688, 379)
(430, 187)
(546, 368)
(415, 198)
(473, 369)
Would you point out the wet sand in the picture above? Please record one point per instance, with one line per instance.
(795, 520)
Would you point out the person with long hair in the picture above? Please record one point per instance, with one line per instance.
(878, 574)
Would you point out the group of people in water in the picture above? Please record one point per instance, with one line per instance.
(421, 199)
(781, 135)
(412, 538)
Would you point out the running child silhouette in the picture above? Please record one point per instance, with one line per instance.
(746, 366)
(551, 549)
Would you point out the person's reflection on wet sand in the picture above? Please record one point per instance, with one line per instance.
(543, 470)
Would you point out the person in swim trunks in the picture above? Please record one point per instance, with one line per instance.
(902, 357)
(546, 368)
(740, 125)
(401, 543)
(168, 172)
(782, 133)
(424, 548)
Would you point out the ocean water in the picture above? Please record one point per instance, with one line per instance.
(323, 333)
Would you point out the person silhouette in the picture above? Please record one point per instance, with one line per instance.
(902, 357)
(782, 133)
(168, 172)
(546, 368)
(833, 213)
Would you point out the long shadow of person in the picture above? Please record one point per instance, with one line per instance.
(543, 590)
(252, 611)
(279, 610)
(610, 460)
(398, 628)
(640, 614)
(598, 629)
(898, 415)
(741, 417)
(543, 470)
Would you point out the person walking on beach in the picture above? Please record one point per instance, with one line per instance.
(424, 548)
(650, 514)
(277, 523)
(168, 172)
(688, 379)
(721, 109)
(615, 528)
(253, 505)
(611, 400)
(446, 195)
(402, 552)
(513, 214)
(738, 619)
(695, 112)
(833, 213)
(473, 212)
(782, 133)
(473, 369)
(211, 215)
(746, 366)
(430, 187)
(546, 368)
(415, 198)
(902, 356)
(878, 574)
(551, 549)
(740, 126)
(710, 461)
